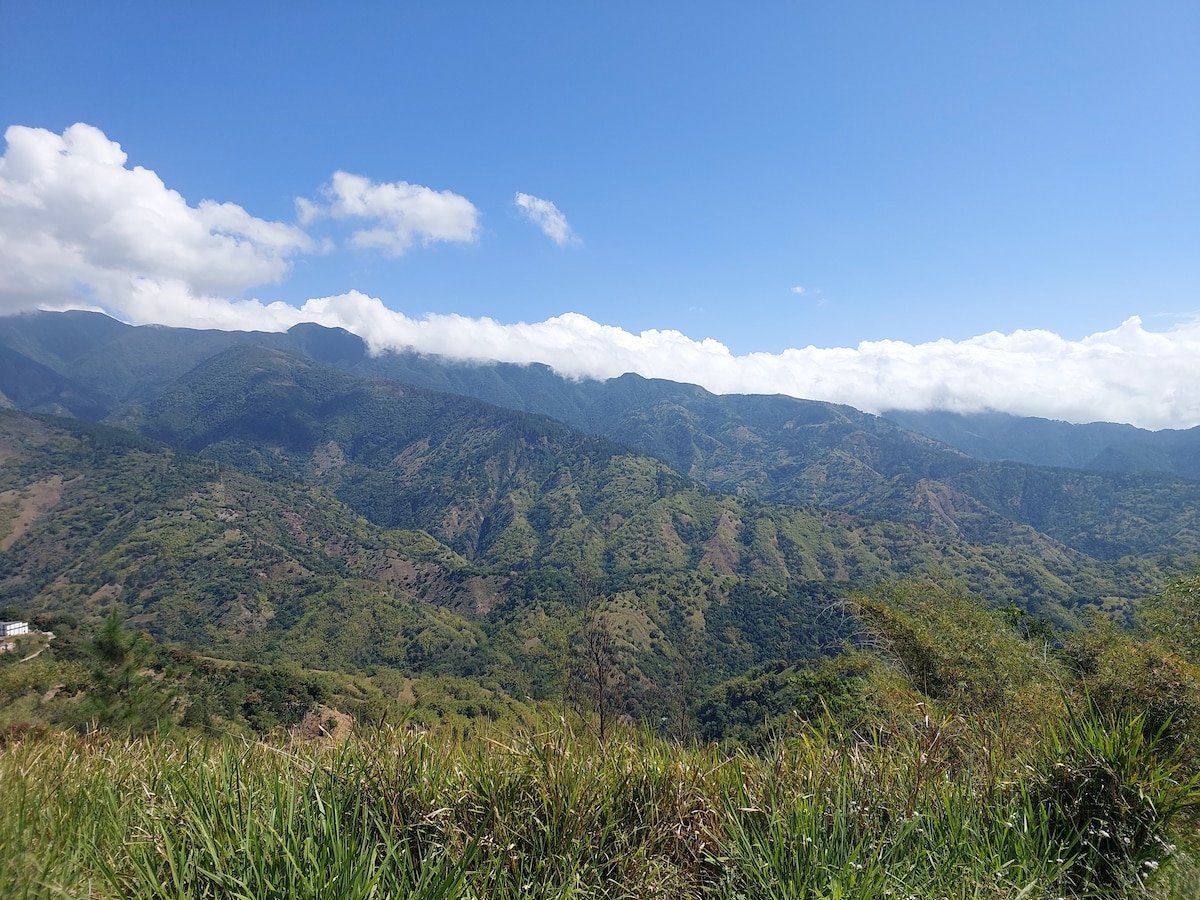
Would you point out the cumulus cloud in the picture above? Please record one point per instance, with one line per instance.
(546, 216)
(77, 224)
(798, 289)
(403, 214)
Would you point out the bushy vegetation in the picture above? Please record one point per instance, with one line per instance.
(962, 752)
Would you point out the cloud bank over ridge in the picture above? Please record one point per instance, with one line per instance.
(79, 229)
(1127, 374)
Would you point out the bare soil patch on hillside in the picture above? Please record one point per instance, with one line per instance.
(32, 503)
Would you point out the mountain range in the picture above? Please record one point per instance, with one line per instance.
(292, 496)
(1105, 490)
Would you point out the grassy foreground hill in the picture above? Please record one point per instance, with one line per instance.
(549, 814)
(976, 762)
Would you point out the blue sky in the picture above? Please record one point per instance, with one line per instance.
(925, 172)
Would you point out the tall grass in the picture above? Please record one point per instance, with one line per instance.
(933, 812)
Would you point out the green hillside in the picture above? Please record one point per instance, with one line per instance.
(404, 641)
(514, 533)
(769, 448)
(96, 519)
(523, 493)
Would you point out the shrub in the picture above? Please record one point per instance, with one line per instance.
(1112, 793)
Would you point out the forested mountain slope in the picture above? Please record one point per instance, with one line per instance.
(801, 451)
(771, 448)
(533, 523)
(525, 493)
(94, 519)
(1098, 446)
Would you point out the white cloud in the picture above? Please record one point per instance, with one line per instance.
(403, 213)
(1124, 375)
(546, 216)
(75, 222)
(79, 229)
(798, 289)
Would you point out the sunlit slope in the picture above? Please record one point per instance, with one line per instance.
(765, 447)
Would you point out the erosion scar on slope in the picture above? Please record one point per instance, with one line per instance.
(32, 502)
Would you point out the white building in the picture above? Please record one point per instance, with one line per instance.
(12, 629)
